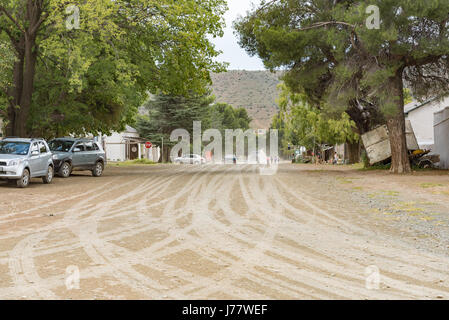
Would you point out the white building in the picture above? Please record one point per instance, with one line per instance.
(421, 115)
(127, 145)
(441, 128)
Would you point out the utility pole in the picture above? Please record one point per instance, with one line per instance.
(162, 151)
(314, 146)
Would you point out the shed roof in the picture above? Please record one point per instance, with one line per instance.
(417, 104)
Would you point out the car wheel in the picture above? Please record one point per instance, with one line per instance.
(65, 170)
(98, 170)
(49, 177)
(25, 180)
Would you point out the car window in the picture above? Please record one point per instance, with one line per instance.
(42, 147)
(89, 146)
(16, 148)
(34, 147)
(96, 147)
(60, 145)
(80, 146)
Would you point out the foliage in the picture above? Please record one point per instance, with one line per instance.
(7, 60)
(167, 113)
(224, 116)
(331, 53)
(408, 97)
(301, 124)
(93, 79)
(134, 162)
(341, 64)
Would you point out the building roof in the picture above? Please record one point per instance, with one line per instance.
(129, 129)
(416, 104)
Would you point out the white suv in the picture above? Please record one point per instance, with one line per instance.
(23, 159)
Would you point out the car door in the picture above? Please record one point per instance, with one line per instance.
(45, 156)
(34, 160)
(90, 153)
(78, 155)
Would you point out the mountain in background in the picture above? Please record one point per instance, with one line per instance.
(256, 91)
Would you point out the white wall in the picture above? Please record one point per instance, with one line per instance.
(422, 121)
(115, 146)
(441, 124)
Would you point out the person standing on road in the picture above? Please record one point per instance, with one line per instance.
(335, 161)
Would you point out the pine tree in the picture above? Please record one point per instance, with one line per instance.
(340, 58)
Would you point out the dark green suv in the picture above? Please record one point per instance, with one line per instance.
(71, 154)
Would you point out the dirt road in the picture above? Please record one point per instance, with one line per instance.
(227, 232)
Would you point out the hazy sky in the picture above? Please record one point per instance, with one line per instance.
(232, 53)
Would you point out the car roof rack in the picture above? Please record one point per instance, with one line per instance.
(75, 138)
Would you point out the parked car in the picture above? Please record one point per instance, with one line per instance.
(71, 154)
(190, 159)
(23, 159)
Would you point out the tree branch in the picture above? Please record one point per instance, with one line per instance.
(423, 61)
(39, 23)
(322, 24)
(12, 18)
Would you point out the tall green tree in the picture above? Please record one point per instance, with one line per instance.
(335, 56)
(301, 124)
(6, 63)
(92, 76)
(224, 116)
(166, 113)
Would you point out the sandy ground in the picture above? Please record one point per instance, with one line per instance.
(227, 232)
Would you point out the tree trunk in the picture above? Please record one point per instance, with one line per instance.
(165, 155)
(400, 161)
(16, 90)
(353, 152)
(21, 92)
(22, 113)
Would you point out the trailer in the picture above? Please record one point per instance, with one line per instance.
(378, 148)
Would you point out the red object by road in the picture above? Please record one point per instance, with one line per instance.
(148, 145)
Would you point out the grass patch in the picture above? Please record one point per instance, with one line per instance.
(410, 208)
(438, 193)
(431, 185)
(427, 203)
(416, 168)
(344, 180)
(383, 167)
(391, 193)
(357, 166)
(134, 162)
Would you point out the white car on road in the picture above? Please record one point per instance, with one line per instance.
(190, 159)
